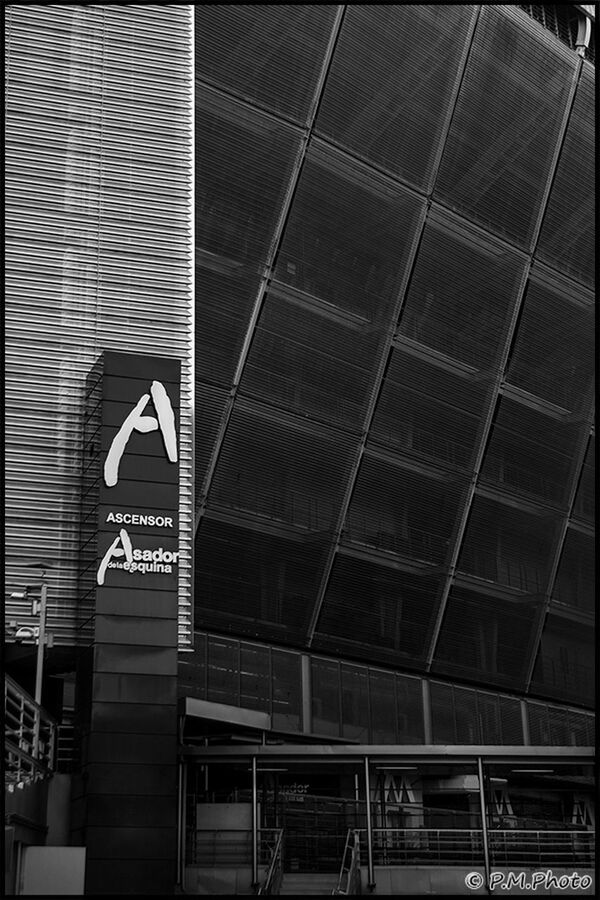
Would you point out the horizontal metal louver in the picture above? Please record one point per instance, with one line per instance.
(397, 511)
(347, 240)
(463, 290)
(509, 546)
(244, 160)
(257, 582)
(584, 506)
(428, 412)
(271, 55)
(564, 668)
(559, 727)
(373, 611)
(305, 360)
(98, 256)
(210, 409)
(498, 155)
(281, 470)
(568, 240)
(575, 583)
(531, 454)
(553, 350)
(487, 639)
(464, 716)
(394, 115)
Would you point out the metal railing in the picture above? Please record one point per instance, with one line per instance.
(349, 879)
(516, 848)
(427, 846)
(29, 738)
(222, 847)
(272, 882)
(462, 846)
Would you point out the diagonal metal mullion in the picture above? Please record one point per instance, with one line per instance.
(386, 352)
(268, 268)
(564, 529)
(460, 532)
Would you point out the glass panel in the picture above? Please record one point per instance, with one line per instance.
(287, 690)
(409, 696)
(355, 704)
(191, 674)
(223, 671)
(383, 707)
(255, 677)
(325, 680)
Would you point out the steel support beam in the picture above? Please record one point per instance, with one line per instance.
(484, 831)
(370, 866)
(254, 825)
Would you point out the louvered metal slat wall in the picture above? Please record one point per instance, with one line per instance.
(388, 337)
(569, 243)
(487, 638)
(99, 251)
(552, 357)
(584, 506)
(505, 129)
(408, 57)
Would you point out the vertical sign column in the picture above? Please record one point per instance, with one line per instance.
(130, 770)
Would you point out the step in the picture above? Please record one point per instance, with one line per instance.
(316, 883)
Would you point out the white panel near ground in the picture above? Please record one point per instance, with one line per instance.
(53, 871)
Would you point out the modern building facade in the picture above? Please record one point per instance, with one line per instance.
(300, 359)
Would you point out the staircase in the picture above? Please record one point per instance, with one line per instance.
(318, 884)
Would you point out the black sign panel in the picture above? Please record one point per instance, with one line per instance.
(130, 541)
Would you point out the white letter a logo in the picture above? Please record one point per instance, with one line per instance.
(135, 421)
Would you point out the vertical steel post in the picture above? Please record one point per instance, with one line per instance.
(484, 833)
(39, 669)
(254, 825)
(371, 873)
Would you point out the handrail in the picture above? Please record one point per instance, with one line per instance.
(443, 846)
(351, 870)
(30, 737)
(275, 870)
